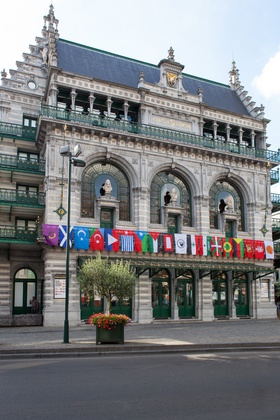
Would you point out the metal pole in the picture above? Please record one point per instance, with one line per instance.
(66, 321)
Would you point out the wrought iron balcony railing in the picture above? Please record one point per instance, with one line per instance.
(274, 176)
(275, 199)
(15, 234)
(275, 225)
(158, 132)
(21, 198)
(9, 162)
(17, 130)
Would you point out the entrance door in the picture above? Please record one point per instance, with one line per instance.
(185, 298)
(220, 298)
(241, 299)
(90, 306)
(25, 287)
(106, 217)
(123, 306)
(161, 298)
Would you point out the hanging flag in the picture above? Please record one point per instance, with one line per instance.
(140, 241)
(259, 250)
(248, 248)
(127, 243)
(153, 241)
(180, 243)
(81, 237)
(228, 247)
(192, 246)
(215, 246)
(50, 233)
(168, 242)
(238, 246)
(96, 239)
(269, 250)
(111, 240)
(63, 236)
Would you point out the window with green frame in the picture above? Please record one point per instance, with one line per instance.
(93, 178)
(162, 182)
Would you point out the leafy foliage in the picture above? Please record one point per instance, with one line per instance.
(107, 279)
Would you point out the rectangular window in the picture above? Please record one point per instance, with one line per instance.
(29, 122)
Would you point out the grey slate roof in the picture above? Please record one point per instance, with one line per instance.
(90, 62)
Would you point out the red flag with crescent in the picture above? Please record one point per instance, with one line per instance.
(96, 240)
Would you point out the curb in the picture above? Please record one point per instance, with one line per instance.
(125, 350)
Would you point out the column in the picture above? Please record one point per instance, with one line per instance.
(143, 311)
(91, 101)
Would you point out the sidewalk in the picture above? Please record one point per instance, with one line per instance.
(181, 336)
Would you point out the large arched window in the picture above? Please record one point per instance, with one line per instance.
(167, 181)
(226, 191)
(93, 178)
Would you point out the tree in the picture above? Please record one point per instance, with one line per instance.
(107, 278)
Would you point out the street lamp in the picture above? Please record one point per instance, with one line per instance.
(72, 160)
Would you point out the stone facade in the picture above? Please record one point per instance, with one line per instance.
(145, 138)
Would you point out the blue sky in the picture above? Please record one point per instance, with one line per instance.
(205, 34)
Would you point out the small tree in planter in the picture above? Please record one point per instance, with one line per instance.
(107, 279)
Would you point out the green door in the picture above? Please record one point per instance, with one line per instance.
(185, 298)
(106, 218)
(123, 307)
(90, 306)
(161, 298)
(220, 298)
(241, 299)
(229, 229)
(172, 224)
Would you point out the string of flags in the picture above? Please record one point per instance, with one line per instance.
(100, 239)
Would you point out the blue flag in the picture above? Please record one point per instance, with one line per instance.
(63, 236)
(81, 237)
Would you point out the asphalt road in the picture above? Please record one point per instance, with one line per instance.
(184, 386)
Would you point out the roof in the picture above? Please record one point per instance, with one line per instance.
(94, 63)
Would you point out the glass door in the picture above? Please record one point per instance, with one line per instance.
(220, 298)
(185, 298)
(241, 299)
(161, 298)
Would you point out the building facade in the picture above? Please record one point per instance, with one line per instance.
(174, 176)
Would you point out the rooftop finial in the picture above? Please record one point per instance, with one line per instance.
(171, 56)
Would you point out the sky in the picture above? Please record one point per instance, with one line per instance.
(207, 35)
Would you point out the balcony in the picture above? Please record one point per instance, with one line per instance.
(20, 235)
(275, 199)
(18, 131)
(11, 197)
(277, 247)
(158, 132)
(14, 163)
(274, 176)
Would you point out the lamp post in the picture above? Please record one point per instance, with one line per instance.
(65, 151)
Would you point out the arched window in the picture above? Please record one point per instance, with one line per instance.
(231, 195)
(93, 178)
(25, 287)
(163, 182)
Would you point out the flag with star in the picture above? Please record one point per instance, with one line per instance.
(96, 239)
(81, 237)
(140, 241)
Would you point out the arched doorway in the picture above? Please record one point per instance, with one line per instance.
(161, 294)
(241, 294)
(185, 295)
(220, 294)
(25, 287)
